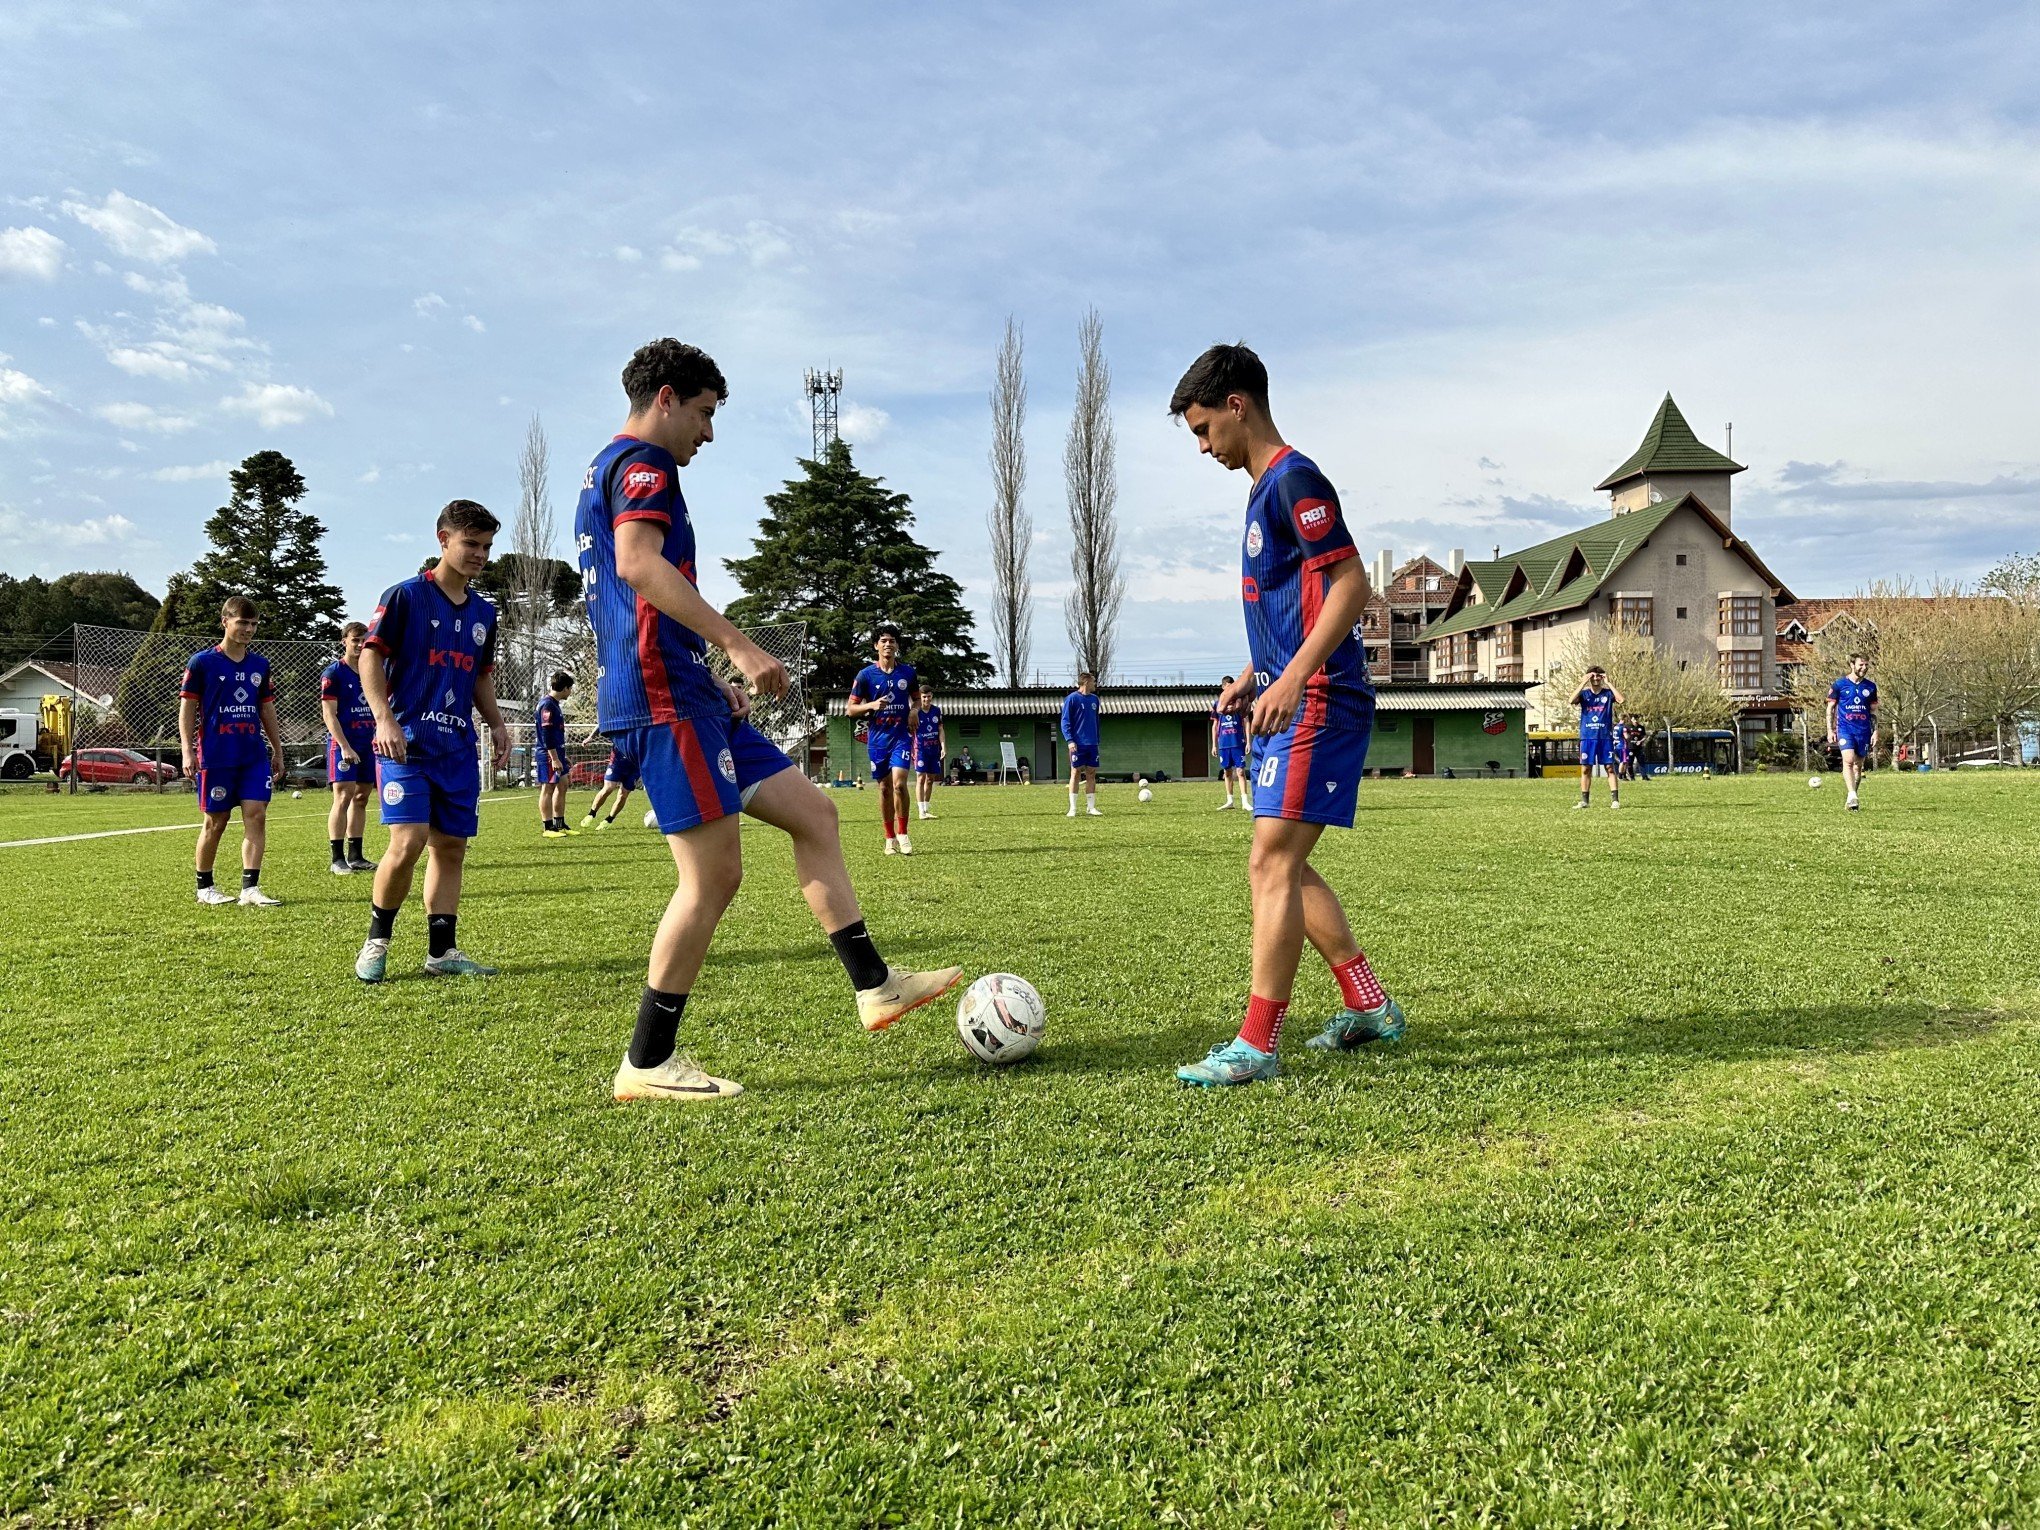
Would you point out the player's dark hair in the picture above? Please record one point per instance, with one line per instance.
(1226, 681)
(561, 680)
(1217, 375)
(237, 605)
(351, 628)
(466, 515)
(670, 363)
(887, 629)
(1859, 654)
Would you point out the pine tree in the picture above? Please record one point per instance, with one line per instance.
(266, 548)
(836, 550)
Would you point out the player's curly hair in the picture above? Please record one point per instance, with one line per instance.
(1218, 374)
(466, 515)
(669, 363)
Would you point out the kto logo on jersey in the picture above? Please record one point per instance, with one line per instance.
(1255, 541)
(1314, 518)
(727, 765)
(641, 480)
(393, 792)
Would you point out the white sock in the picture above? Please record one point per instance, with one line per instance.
(1073, 802)
(1090, 799)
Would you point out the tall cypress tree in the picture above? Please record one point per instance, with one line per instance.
(267, 548)
(836, 550)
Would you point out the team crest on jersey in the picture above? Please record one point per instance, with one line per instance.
(393, 792)
(481, 633)
(1314, 518)
(1254, 542)
(219, 794)
(725, 763)
(642, 480)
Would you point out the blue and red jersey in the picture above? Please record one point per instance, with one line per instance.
(1228, 728)
(894, 690)
(1854, 700)
(229, 693)
(340, 683)
(928, 732)
(434, 651)
(551, 720)
(1597, 711)
(1295, 533)
(651, 668)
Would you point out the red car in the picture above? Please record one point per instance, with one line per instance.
(116, 765)
(587, 773)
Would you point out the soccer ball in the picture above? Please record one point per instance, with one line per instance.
(1813, 782)
(295, 795)
(1146, 795)
(651, 818)
(1001, 1019)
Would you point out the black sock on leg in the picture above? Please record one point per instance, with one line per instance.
(658, 1025)
(204, 880)
(339, 849)
(354, 850)
(859, 956)
(381, 922)
(251, 876)
(439, 933)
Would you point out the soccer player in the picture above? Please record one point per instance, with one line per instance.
(1080, 729)
(1231, 749)
(1852, 722)
(703, 762)
(350, 752)
(428, 666)
(225, 708)
(620, 778)
(1304, 589)
(887, 692)
(930, 744)
(549, 746)
(1597, 701)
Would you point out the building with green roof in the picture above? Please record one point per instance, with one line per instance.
(1665, 563)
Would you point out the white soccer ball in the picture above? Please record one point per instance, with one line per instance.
(295, 795)
(651, 818)
(1146, 795)
(1813, 782)
(1001, 1018)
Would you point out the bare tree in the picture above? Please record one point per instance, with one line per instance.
(1091, 484)
(1011, 526)
(1655, 683)
(531, 550)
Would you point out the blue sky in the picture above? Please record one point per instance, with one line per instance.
(1475, 244)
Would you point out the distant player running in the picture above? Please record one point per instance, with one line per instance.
(1597, 701)
(1304, 589)
(1229, 743)
(929, 748)
(619, 780)
(1080, 730)
(428, 666)
(1852, 723)
(703, 763)
(887, 694)
(350, 752)
(549, 750)
(225, 708)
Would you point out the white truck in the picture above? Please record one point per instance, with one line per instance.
(21, 753)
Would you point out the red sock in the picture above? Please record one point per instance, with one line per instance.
(1358, 985)
(1263, 1025)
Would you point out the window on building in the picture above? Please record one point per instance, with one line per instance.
(1742, 615)
(973, 729)
(1682, 613)
(1633, 613)
(1742, 669)
(1680, 560)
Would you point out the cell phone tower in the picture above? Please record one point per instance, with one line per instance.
(823, 390)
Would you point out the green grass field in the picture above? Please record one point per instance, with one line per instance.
(1701, 1192)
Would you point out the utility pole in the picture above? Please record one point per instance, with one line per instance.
(823, 389)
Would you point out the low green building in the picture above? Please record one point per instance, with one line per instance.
(1163, 732)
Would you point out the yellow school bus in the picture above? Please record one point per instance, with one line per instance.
(1554, 752)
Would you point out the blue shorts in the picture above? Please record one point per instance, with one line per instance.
(700, 769)
(444, 791)
(363, 768)
(1596, 749)
(888, 754)
(1311, 774)
(1856, 741)
(1231, 757)
(1083, 757)
(621, 770)
(224, 788)
(546, 774)
(929, 764)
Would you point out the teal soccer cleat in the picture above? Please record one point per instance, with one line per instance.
(457, 963)
(1351, 1029)
(1230, 1062)
(373, 961)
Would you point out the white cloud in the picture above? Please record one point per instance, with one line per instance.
(34, 253)
(275, 404)
(371, 476)
(131, 416)
(759, 242)
(427, 305)
(20, 388)
(47, 322)
(474, 324)
(629, 254)
(192, 472)
(139, 231)
(150, 361)
(37, 535)
(862, 424)
(190, 337)
(677, 260)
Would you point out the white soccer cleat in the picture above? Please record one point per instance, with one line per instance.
(906, 845)
(1092, 813)
(901, 993)
(1615, 803)
(677, 1078)
(456, 963)
(1225, 806)
(255, 897)
(1580, 806)
(214, 895)
(341, 869)
(892, 846)
(1072, 812)
(374, 960)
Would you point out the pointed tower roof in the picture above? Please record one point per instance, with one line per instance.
(1670, 446)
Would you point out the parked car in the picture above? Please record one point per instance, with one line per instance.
(124, 766)
(587, 773)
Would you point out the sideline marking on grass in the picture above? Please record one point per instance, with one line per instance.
(159, 828)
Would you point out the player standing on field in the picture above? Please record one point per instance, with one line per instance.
(1080, 729)
(549, 751)
(619, 779)
(350, 752)
(929, 747)
(1231, 749)
(1597, 701)
(1852, 722)
(428, 666)
(225, 707)
(702, 761)
(1312, 713)
(888, 693)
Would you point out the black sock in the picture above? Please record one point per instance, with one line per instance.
(381, 921)
(439, 933)
(251, 876)
(610, 819)
(658, 1023)
(204, 880)
(859, 956)
(354, 850)
(339, 850)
